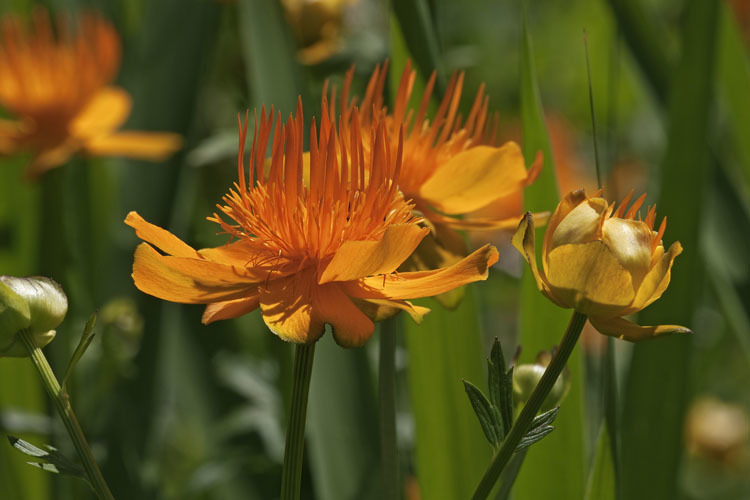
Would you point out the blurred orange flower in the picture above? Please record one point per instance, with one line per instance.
(307, 253)
(58, 88)
(603, 264)
(451, 167)
(317, 26)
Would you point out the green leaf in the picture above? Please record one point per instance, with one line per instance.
(52, 460)
(344, 446)
(86, 337)
(656, 391)
(543, 323)
(601, 482)
(540, 427)
(451, 452)
(486, 413)
(501, 386)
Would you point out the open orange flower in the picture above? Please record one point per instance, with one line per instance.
(451, 167)
(58, 88)
(602, 262)
(306, 253)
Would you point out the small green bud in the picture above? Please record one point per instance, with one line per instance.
(527, 376)
(14, 316)
(44, 304)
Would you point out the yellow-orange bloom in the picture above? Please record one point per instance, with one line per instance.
(601, 262)
(306, 253)
(451, 167)
(58, 88)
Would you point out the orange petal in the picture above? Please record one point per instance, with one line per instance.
(350, 326)
(382, 309)
(502, 224)
(11, 133)
(425, 283)
(627, 330)
(151, 146)
(287, 307)
(588, 277)
(229, 309)
(160, 238)
(188, 281)
(48, 159)
(474, 178)
(657, 279)
(105, 112)
(357, 259)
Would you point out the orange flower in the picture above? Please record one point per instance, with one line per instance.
(602, 262)
(306, 253)
(58, 88)
(451, 167)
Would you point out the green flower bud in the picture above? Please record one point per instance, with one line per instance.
(14, 316)
(44, 304)
(527, 376)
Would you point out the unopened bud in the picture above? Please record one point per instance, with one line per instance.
(527, 376)
(37, 304)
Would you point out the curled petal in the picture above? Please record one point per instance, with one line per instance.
(412, 285)
(657, 279)
(524, 241)
(287, 308)
(475, 177)
(627, 330)
(160, 238)
(382, 309)
(152, 146)
(571, 200)
(188, 281)
(105, 112)
(229, 309)
(356, 259)
(588, 277)
(350, 326)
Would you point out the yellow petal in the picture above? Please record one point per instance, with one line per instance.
(627, 330)
(350, 326)
(188, 281)
(160, 238)
(524, 241)
(229, 309)
(382, 309)
(587, 277)
(582, 224)
(105, 112)
(357, 259)
(657, 279)
(571, 200)
(287, 307)
(425, 283)
(151, 146)
(630, 242)
(474, 178)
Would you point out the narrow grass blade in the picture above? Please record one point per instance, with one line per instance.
(601, 481)
(418, 30)
(657, 386)
(451, 452)
(542, 323)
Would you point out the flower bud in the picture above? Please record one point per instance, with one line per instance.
(37, 304)
(527, 376)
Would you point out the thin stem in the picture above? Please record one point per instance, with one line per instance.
(522, 424)
(291, 474)
(68, 416)
(387, 394)
(593, 116)
(610, 410)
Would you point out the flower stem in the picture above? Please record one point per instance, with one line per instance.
(387, 394)
(521, 425)
(68, 416)
(291, 474)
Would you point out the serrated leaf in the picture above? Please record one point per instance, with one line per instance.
(86, 337)
(486, 413)
(53, 460)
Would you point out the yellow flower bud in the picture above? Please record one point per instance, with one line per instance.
(602, 262)
(44, 304)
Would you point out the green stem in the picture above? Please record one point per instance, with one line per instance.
(387, 394)
(68, 416)
(610, 411)
(291, 474)
(521, 425)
